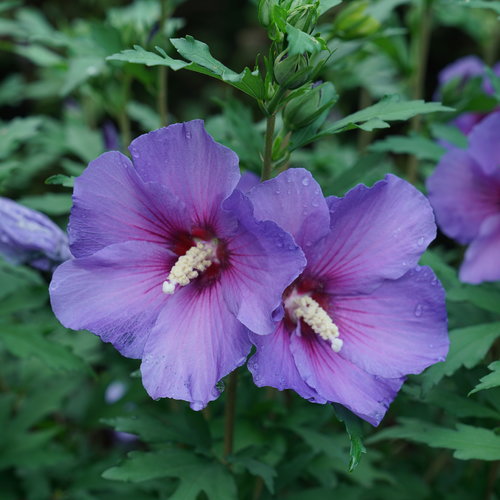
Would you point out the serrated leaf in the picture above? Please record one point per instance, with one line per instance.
(195, 473)
(468, 347)
(203, 62)
(353, 426)
(61, 180)
(299, 42)
(256, 468)
(325, 5)
(467, 442)
(15, 132)
(489, 381)
(138, 55)
(388, 109)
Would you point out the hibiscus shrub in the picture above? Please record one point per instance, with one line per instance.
(250, 250)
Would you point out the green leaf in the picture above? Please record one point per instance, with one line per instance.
(388, 109)
(481, 4)
(203, 62)
(15, 132)
(195, 473)
(467, 442)
(490, 380)
(256, 468)
(468, 346)
(61, 180)
(480, 296)
(138, 55)
(353, 426)
(421, 147)
(299, 42)
(49, 203)
(26, 341)
(325, 5)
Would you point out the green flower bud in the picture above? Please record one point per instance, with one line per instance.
(291, 72)
(303, 15)
(265, 11)
(354, 22)
(309, 106)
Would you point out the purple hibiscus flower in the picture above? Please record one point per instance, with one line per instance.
(465, 193)
(464, 69)
(29, 237)
(361, 315)
(170, 262)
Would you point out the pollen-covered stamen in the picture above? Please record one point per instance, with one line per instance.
(308, 310)
(189, 266)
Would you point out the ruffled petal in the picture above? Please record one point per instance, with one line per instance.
(398, 329)
(376, 233)
(340, 381)
(195, 342)
(461, 195)
(115, 293)
(198, 170)
(273, 364)
(482, 259)
(111, 204)
(484, 145)
(263, 261)
(294, 201)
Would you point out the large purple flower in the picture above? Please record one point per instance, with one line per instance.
(171, 263)
(361, 316)
(465, 193)
(29, 237)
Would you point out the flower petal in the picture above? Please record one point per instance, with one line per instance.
(462, 195)
(482, 259)
(111, 204)
(273, 364)
(340, 381)
(115, 293)
(294, 201)
(195, 342)
(484, 145)
(399, 328)
(201, 172)
(248, 181)
(376, 233)
(264, 260)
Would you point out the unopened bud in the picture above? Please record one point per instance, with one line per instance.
(309, 106)
(291, 72)
(303, 15)
(265, 11)
(354, 22)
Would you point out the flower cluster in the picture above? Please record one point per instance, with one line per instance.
(465, 193)
(184, 264)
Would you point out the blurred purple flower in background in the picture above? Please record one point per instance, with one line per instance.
(29, 237)
(464, 69)
(361, 316)
(171, 264)
(465, 193)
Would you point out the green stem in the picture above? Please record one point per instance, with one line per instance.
(162, 72)
(123, 118)
(268, 148)
(420, 52)
(229, 413)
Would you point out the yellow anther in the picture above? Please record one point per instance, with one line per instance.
(189, 266)
(306, 308)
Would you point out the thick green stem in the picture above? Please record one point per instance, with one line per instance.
(162, 72)
(420, 52)
(229, 413)
(267, 161)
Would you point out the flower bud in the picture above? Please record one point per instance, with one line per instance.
(265, 11)
(291, 72)
(309, 106)
(354, 22)
(303, 15)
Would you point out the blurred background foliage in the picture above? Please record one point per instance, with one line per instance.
(71, 407)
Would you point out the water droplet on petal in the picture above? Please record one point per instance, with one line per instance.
(315, 203)
(420, 241)
(418, 310)
(306, 181)
(188, 134)
(277, 191)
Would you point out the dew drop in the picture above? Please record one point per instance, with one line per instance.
(418, 310)
(188, 134)
(315, 203)
(306, 181)
(420, 241)
(277, 191)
